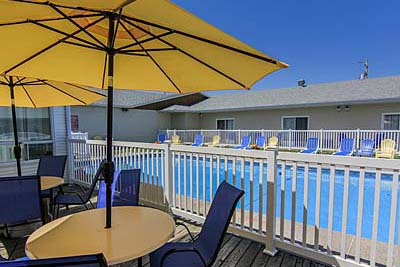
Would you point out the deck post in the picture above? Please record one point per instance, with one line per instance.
(272, 173)
(168, 175)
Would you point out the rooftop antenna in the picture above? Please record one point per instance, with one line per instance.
(364, 75)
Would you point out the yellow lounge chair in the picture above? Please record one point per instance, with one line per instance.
(175, 139)
(215, 140)
(272, 142)
(387, 149)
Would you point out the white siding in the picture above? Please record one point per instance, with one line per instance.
(59, 130)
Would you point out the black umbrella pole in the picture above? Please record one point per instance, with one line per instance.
(109, 173)
(17, 148)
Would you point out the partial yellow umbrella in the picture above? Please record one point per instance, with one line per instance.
(133, 44)
(39, 93)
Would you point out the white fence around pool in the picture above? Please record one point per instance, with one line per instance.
(338, 210)
(292, 139)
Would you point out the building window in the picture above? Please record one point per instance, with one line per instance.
(391, 121)
(225, 124)
(295, 123)
(74, 123)
(34, 132)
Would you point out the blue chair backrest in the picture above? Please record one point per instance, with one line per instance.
(260, 141)
(218, 219)
(95, 260)
(198, 139)
(347, 144)
(312, 143)
(52, 166)
(246, 140)
(101, 197)
(161, 138)
(20, 199)
(129, 188)
(367, 145)
(96, 178)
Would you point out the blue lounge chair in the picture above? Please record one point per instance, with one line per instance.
(101, 197)
(128, 189)
(260, 142)
(81, 198)
(346, 147)
(95, 260)
(203, 250)
(312, 146)
(367, 148)
(161, 137)
(245, 142)
(198, 140)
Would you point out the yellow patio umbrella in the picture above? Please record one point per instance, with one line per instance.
(38, 93)
(135, 44)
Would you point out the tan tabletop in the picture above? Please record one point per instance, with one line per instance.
(48, 182)
(135, 232)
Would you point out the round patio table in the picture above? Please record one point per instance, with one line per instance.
(135, 232)
(49, 182)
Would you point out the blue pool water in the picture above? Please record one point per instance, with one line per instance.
(369, 191)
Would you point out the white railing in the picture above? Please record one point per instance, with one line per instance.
(337, 210)
(80, 135)
(292, 139)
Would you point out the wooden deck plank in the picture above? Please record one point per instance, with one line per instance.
(248, 257)
(288, 260)
(276, 260)
(261, 259)
(226, 250)
(238, 253)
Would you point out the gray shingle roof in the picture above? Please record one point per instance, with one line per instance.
(386, 89)
(129, 98)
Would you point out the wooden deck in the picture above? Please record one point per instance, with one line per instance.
(235, 251)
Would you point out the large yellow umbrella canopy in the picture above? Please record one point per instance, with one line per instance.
(135, 44)
(39, 93)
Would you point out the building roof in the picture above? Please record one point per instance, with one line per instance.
(129, 98)
(376, 90)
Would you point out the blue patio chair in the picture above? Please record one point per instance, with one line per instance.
(51, 166)
(198, 140)
(312, 146)
(260, 142)
(81, 198)
(366, 149)
(101, 196)
(346, 147)
(129, 188)
(161, 137)
(95, 260)
(245, 143)
(21, 202)
(203, 250)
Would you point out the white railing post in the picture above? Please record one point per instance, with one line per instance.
(70, 151)
(239, 137)
(270, 248)
(358, 138)
(168, 187)
(290, 139)
(321, 138)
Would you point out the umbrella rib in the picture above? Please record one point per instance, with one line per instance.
(85, 89)
(76, 24)
(104, 71)
(150, 50)
(51, 46)
(270, 60)
(49, 19)
(122, 48)
(29, 96)
(153, 60)
(62, 91)
(191, 56)
(66, 34)
(83, 45)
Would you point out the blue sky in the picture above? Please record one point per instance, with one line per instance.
(322, 40)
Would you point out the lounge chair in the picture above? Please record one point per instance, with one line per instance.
(387, 149)
(312, 146)
(272, 141)
(101, 197)
(175, 139)
(128, 189)
(215, 140)
(260, 143)
(81, 198)
(366, 149)
(203, 250)
(95, 260)
(198, 140)
(245, 142)
(161, 138)
(346, 147)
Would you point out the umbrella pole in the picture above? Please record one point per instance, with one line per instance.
(109, 172)
(17, 148)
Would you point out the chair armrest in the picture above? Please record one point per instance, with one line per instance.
(176, 219)
(180, 250)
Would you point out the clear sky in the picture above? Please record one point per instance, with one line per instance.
(321, 40)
